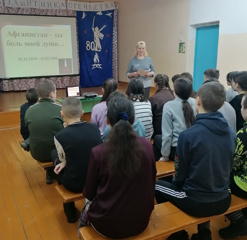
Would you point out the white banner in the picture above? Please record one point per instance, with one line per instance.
(60, 4)
(90, 7)
(40, 4)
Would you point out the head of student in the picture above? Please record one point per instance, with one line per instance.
(210, 97)
(141, 49)
(211, 73)
(135, 90)
(183, 88)
(175, 77)
(71, 109)
(47, 89)
(186, 75)
(32, 95)
(109, 86)
(229, 77)
(123, 145)
(239, 81)
(161, 81)
(244, 107)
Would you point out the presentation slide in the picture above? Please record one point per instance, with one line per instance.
(35, 46)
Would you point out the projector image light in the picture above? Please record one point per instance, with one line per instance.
(90, 95)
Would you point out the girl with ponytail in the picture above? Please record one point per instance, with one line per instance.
(121, 176)
(178, 115)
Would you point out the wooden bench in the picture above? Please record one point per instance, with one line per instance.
(67, 195)
(165, 168)
(45, 164)
(165, 220)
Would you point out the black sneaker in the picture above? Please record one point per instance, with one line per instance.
(50, 176)
(202, 235)
(181, 235)
(234, 230)
(70, 212)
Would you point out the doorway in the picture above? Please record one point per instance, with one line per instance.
(206, 49)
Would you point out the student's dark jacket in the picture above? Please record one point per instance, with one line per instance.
(205, 157)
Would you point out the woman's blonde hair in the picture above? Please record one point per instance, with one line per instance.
(141, 43)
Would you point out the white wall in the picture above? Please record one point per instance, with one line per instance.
(232, 18)
(161, 24)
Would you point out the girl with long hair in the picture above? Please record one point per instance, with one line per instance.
(163, 94)
(121, 177)
(178, 115)
(98, 113)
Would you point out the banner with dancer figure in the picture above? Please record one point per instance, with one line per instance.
(95, 33)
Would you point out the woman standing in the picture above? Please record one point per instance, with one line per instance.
(141, 67)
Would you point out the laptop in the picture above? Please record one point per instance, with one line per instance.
(73, 91)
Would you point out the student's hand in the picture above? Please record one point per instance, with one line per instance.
(59, 167)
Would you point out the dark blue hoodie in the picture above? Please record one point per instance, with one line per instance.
(205, 157)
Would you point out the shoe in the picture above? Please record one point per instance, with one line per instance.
(234, 230)
(25, 146)
(70, 212)
(202, 235)
(50, 176)
(181, 235)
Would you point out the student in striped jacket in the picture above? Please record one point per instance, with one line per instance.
(143, 110)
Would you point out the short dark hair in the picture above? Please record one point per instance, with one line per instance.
(241, 79)
(45, 87)
(230, 76)
(32, 95)
(114, 94)
(212, 95)
(175, 77)
(212, 73)
(72, 107)
(186, 75)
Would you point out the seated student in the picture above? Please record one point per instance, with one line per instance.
(98, 113)
(32, 98)
(238, 183)
(200, 185)
(137, 125)
(143, 111)
(230, 93)
(239, 84)
(162, 95)
(73, 145)
(44, 121)
(211, 73)
(227, 110)
(121, 177)
(178, 115)
(189, 76)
